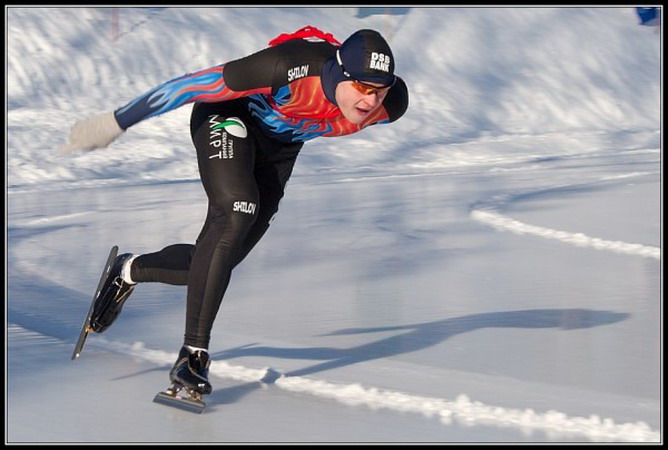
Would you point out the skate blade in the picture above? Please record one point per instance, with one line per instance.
(177, 401)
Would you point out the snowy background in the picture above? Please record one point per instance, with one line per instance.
(487, 269)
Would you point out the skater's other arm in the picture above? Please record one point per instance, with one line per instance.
(207, 86)
(253, 74)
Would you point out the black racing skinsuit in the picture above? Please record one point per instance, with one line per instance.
(250, 120)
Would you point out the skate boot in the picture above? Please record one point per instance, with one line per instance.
(115, 291)
(191, 371)
(189, 382)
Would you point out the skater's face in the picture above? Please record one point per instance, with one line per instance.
(358, 100)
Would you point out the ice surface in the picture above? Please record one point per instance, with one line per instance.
(487, 269)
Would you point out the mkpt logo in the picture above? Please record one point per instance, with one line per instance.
(232, 125)
(219, 132)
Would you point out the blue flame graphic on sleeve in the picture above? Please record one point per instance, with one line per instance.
(172, 94)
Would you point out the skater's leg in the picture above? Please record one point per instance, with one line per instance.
(271, 179)
(226, 165)
(170, 265)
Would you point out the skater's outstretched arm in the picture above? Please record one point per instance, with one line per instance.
(205, 86)
(240, 78)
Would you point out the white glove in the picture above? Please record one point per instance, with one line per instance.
(92, 132)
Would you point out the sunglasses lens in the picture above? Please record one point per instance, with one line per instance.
(361, 88)
(365, 89)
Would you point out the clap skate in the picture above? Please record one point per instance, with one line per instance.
(189, 375)
(108, 300)
(115, 291)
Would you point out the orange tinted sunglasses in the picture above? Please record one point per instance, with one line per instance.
(367, 89)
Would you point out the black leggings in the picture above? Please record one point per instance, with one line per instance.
(244, 175)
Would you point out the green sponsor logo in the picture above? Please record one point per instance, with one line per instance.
(233, 126)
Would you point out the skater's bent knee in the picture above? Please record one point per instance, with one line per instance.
(237, 216)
